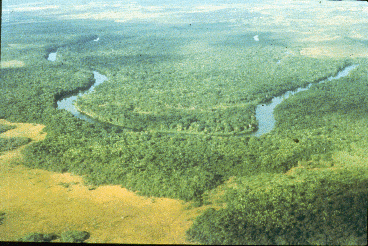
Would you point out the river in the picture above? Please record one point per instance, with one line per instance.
(67, 103)
(264, 112)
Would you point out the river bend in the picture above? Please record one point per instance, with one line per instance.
(264, 112)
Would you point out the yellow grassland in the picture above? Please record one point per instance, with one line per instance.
(41, 201)
(11, 64)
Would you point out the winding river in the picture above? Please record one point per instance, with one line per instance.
(264, 112)
(67, 103)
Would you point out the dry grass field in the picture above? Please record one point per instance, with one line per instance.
(40, 201)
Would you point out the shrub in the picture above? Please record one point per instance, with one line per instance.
(4, 128)
(74, 236)
(2, 217)
(12, 143)
(38, 237)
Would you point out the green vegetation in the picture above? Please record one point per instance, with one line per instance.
(63, 184)
(344, 99)
(67, 185)
(12, 143)
(30, 95)
(307, 207)
(324, 201)
(66, 237)
(38, 237)
(74, 236)
(81, 39)
(160, 96)
(190, 103)
(4, 128)
(2, 217)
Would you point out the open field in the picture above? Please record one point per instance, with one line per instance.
(41, 201)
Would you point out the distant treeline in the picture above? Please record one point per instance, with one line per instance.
(82, 39)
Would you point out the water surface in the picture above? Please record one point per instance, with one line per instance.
(264, 112)
(68, 102)
(52, 56)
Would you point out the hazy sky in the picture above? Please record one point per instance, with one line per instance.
(141, 2)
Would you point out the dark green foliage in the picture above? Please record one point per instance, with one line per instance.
(33, 98)
(65, 185)
(182, 166)
(2, 217)
(74, 236)
(66, 237)
(181, 169)
(12, 143)
(4, 128)
(320, 207)
(267, 210)
(157, 96)
(38, 237)
(219, 227)
(82, 39)
(345, 97)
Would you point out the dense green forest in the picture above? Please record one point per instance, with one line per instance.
(160, 83)
(4, 128)
(12, 143)
(319, 207)
(182, 93)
